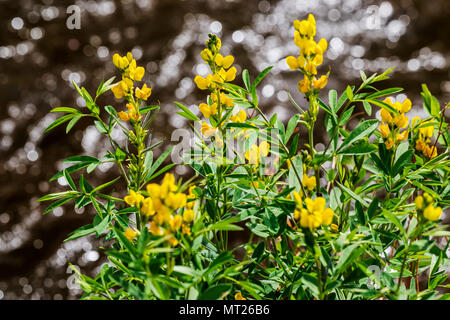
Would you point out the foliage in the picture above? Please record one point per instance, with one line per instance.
(356, 220)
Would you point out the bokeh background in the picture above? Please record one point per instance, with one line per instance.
(40, 56)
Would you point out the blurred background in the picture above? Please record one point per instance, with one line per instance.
(40, 56)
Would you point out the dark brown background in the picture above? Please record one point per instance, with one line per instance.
(39, 56)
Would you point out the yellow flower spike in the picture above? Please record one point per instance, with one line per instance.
(401, 121)
(130, 234)
(419, 202)
(406, 106)
(309, 182)
(292, 62)
(201, 82)
(143, 93)
(124, 116)
(321, 83)
(385, 116)
(133, 199)
(147, 207)
(175, 223)
(384, 129)
(389, 143)
(304, 85)
(238, 296)
(207, 131)
(188, 215)
(402, 136)
(431, 213)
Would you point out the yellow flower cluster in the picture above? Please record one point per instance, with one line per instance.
(308, 182)
(238, 296)
(425, 206)
(423, 136)
(392, 124)
(255, 153)
(130, 73)
(161, 207)
(310, 56)
(312, 213)
(221, 71)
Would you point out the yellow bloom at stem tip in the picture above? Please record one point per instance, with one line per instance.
(143, 93)
(315, 214)
(133, 198)
(431, 213)
(208, 110)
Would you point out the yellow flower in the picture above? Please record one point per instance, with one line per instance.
(188, 215)
(224, 62)
(154, 190)
(321, 83)
(185, 230)
(334, 228)
(304, 85)
(130, 234)
(389, 143)
(207, 131)
(385, 116)
(168, 185)
(401, 121)
(292, 62)
(255, 153)
(121, 89)
(419, 202)
(406, 106)
(124, 116)
(133, 199)
(309, 182)
(206, 55)
(230, 75)
(238, 296)
(323, 45)
(239, 117)
(402, 136)
(143, 93)
(176, 200)
(147, 207)
(175, 223)
(430, 151)
(431, 213)
(135, 73)
(384, 129)
(207, 110)
(203, 83)
(427, 132)
(298, 199)
(315, 213)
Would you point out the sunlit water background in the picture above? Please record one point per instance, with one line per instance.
(40, 56)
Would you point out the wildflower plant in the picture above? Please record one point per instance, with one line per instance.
(319, 222)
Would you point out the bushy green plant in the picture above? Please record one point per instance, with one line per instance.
(356, 220)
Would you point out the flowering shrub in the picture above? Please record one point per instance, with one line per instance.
(356, 220)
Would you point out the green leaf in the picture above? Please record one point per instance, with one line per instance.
(384, 92)
(100, 127)
(361, 148)
(402, 160)
(72, 123)
(246, 79)
(69, 180)
(105, 185)
(292, 124)
(367, 107)
(59, 121)
(57, 204)
(363, 130)
(383, 105)
(349, 92)
(81, 158)
(260, 77)
(186, 112)
(349, 254)
(353, 194)
(215, 292)
(158, 162)
(332, 98)
(65, 109)
(240, 125)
